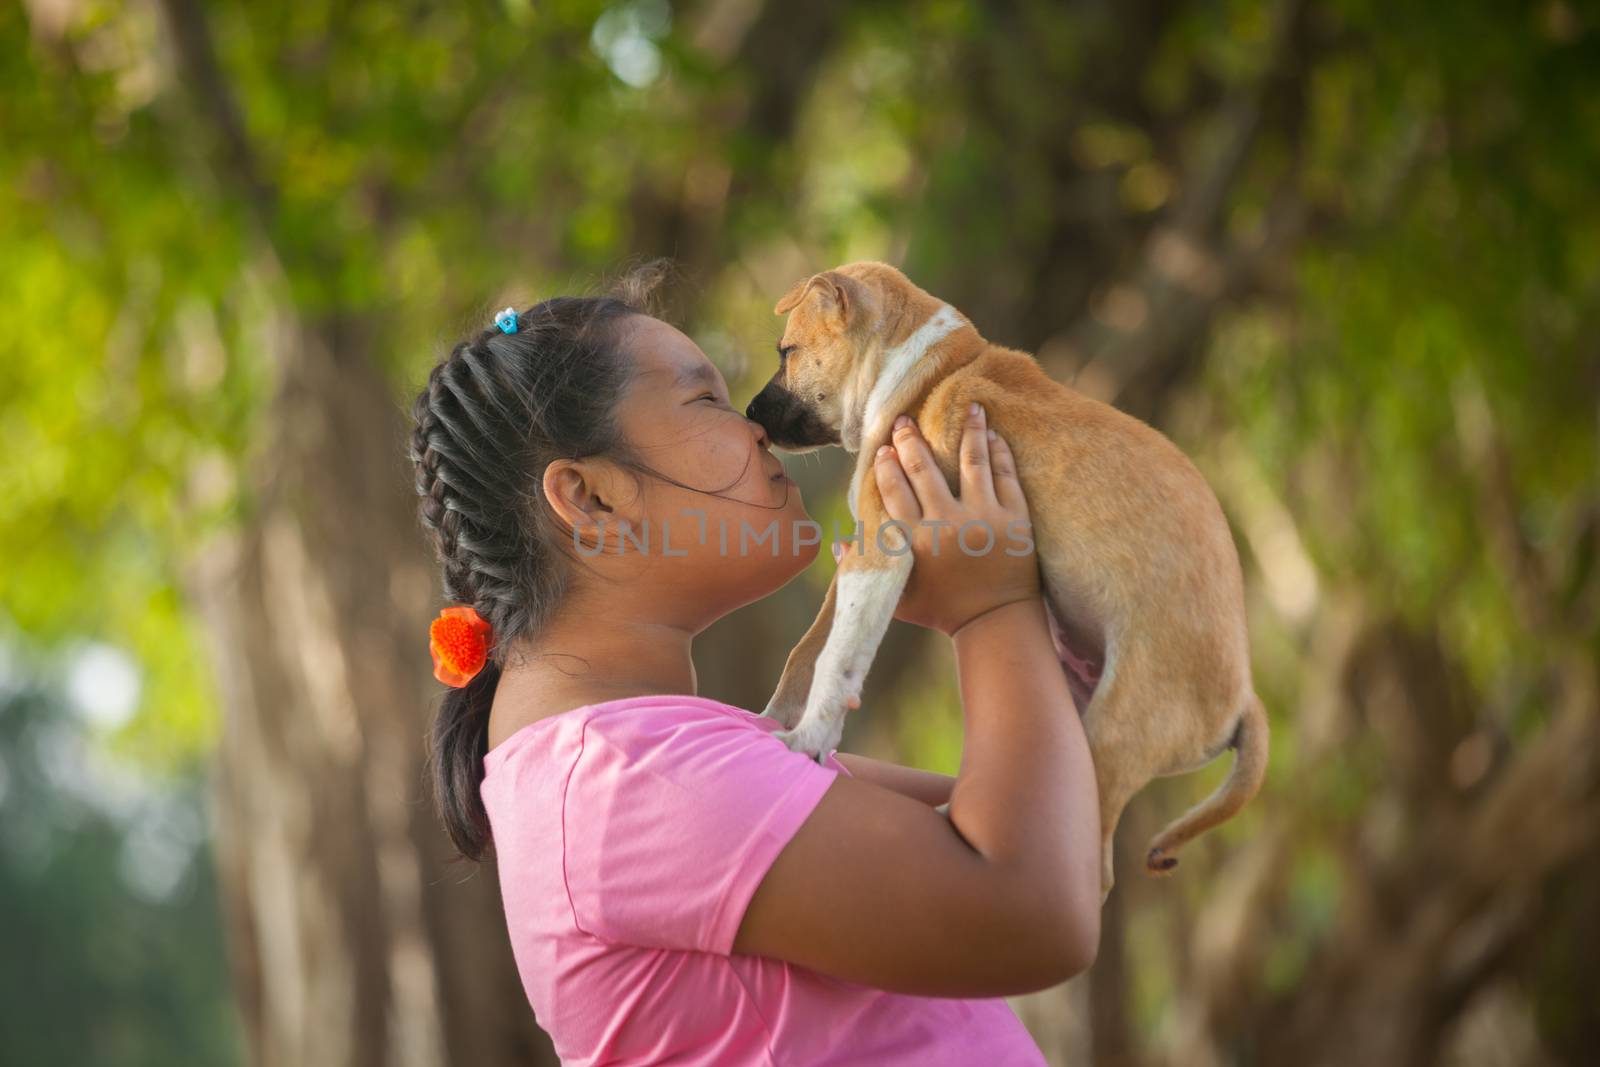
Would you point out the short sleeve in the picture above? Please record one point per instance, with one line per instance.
(672, 815)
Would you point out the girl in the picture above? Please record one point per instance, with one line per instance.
(679, 886)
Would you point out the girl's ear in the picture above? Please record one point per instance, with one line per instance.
(584, 492)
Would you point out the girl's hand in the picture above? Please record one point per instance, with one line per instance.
(982, 556)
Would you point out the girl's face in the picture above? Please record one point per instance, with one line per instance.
(740, 530)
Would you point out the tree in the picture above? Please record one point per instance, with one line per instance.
(1341, 253)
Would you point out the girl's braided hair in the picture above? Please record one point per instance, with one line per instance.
(493, 414)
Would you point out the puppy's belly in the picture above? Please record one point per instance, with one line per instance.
(1082, 654)
(1084, 665)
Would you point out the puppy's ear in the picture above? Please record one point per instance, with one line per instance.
(841, 296)
(788, 300)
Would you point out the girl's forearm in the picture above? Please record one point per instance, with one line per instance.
(1026, 796)
(929, 787)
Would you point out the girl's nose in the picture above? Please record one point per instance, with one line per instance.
(761, 433)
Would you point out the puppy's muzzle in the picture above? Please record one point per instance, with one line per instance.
(789, 423)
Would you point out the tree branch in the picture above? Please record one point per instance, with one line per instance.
(239, 164)
(1146, 326)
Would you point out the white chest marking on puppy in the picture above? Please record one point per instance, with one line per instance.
(897, 363)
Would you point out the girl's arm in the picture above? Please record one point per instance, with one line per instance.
(1001, 898)
(929, 787)
(1004, 895)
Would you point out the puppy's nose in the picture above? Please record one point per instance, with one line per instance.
(760, 409)
(765, 409)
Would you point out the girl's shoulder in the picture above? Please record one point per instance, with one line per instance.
(655, 723)
(671, 809)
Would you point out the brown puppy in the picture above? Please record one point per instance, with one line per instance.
(1139, 569)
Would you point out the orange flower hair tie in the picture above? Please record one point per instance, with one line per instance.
(459, 641)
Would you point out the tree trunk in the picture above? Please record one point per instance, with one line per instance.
(352, 939)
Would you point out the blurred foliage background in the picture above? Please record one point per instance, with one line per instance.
(1346, 254)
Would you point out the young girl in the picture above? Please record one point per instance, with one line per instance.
(679, 886)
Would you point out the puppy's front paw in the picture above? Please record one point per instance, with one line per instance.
(814, 738)
(784, 715)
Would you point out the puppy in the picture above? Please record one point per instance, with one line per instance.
(1140, 575)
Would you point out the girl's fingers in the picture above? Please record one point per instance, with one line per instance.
(927, 480)
(898, 498)
(1007, 489)
(977, 486)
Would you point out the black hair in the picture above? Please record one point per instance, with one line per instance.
(492, 416)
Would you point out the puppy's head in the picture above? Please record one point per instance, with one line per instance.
(825, 357)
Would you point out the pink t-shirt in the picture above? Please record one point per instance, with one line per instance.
(631, 835)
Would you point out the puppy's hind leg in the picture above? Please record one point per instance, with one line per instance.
(1121, 762)
(1249, 743)
(869, 586)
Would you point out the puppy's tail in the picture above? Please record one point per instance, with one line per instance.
(1249, 768)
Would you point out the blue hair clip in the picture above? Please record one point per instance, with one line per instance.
(507, 320)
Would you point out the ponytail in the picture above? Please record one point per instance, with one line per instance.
(459, 741)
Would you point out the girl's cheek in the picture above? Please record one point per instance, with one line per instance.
(736, 458)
